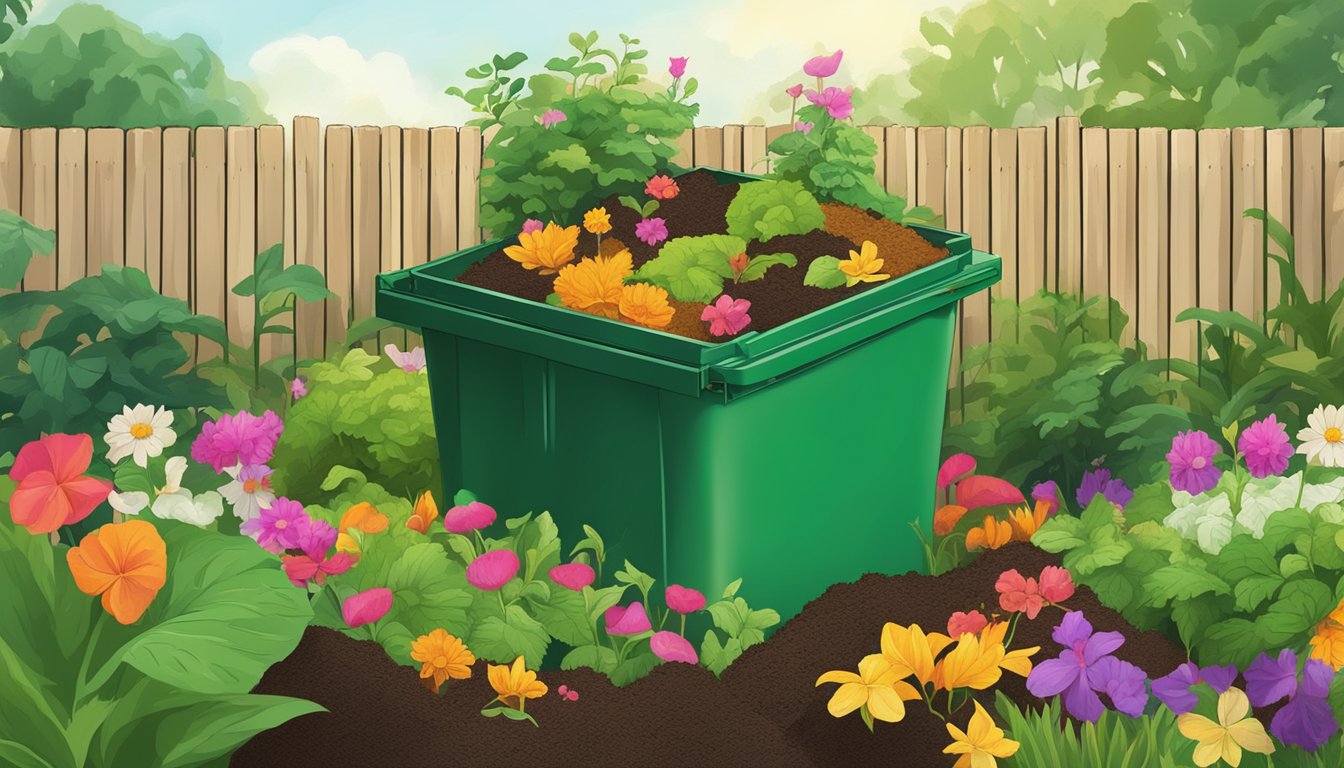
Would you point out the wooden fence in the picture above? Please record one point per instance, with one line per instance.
(1150, 216)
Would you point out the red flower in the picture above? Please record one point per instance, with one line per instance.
(661, 188)
(961, 623)
(1056, 584)
(1019, 595)
(301, 568)
(52, 488)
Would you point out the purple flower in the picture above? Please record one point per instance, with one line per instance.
(1266, 448)
(276, 529)
(1191, 460)
(1086, 668)
(1307, 720)
(1100, 481)
(1049, 493)
(676, 66)
(652, 231)
(1174, 689)
(804, 126)
(835, 100)
(532, 225)
(551, 117)
(235, 439)
(313, 537)
(298, 388)
(823, 66)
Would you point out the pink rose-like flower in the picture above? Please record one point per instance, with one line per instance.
(1019, 595)
(1056, 584)
(684, 599)
(669, 646)
(963, 623)
(1266, 448)
(794, 91)
(532, 225)
(726, 316)
(366, 607)
(835, 100)
(630, 620)
(954, 468)
(804, 126)
(493, 569)
(410, 362)
(469, 517)
(234, 439)
(573, 576)
(676, 66)
(298, 388)
(1191, 459)
(552, 117)
(652, 231)
(823, 66)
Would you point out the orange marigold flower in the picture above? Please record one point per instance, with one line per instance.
(426, 512)
(992, 535)
(594, 285)
(546, 249)
(441, 656)
(126, 563)
(362, 517)
(1026, 522)
(646, 305)
(1328, 642)
(946, 518)
(597, 221)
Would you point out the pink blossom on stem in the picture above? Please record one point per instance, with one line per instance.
(366, 607)
(794, 91)
(836, 101)
(676, 66)
(726, 316)
(493, 570)
(552, 117)
(823, 66)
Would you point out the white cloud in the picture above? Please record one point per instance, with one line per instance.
(326, 78)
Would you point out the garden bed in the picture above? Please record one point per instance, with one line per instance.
(765, 710)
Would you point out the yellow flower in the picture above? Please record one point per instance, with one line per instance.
(594, 285)
(597, 221)
(1225, 739)
(876, 689)
(980, 743)
(646, 305)
(546, 249)
(971, 664)
(441, 656)
(1328, 642)
(362, 517)
(1019, 661)
(994, 534)
(863, 267)
(425, 512)
(911, 652)
(1025, 522)
(516, 684)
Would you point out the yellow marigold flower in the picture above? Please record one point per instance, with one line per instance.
(994, 534)
(1328, 642)
(863, 267)
(911, 652)
(1224, 740)
(594, 285)
(515, 684)
(876, 690)
(1025, 522)
(597, 221)
(546, 249)
(971, 664)
(1017, 661)
(646, 305)
(980, 743)
(441, 656)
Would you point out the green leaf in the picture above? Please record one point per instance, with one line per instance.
(595, 657)
(1182, 581)
(716, 655)
(762, 210)
(693, 268)
(509, 713)
(50, 371)
(757, 265)
(130, 476)
(732, 588)
(633, 668)
(429, 591)
(824, 272)
(302, 280)
(19, 243)
(573, 158)
(338, 475)
(503, 640)
(635, 577)
(564, 617)
(463, 497)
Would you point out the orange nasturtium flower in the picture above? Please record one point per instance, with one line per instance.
(646, 305)
(441, 656)
(515, 684)
(597, 221)
(994, 534)
(594, 285)
(946, 518)
(1025, 522)
(545, 250)
(426, 512)
(362, 517)
(875, 691)
(126, 563)
(1328, 642)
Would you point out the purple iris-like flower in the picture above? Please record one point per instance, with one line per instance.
(1086, 668)
(1307, 720)
(1191, 460)
(1174, 689)
(1100, 481)
(1049, 493)
(1266, 448)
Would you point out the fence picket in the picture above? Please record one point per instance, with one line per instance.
(275, 214)
(1032, 273)
(1308, 199)
(1069, 187)
(106, 210)
(144, 204)
(1334, 209)
(208, 271)
(1096, 273)
(1184, 247)
(1122, 243)
(309, 232)
(339, 230)
(1153, 322)
(975, 200)
(1215, 219)
(39, 200)
(71, 224)
(1248, 191)
(240, 237)
(365, 217)
(1003, 219)
(708, 148)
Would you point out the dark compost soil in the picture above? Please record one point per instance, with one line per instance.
(765, 711)
(699, 209)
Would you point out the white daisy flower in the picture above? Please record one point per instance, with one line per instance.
(250, 491)
(140, 432)
(1323, 438)
(172, 501)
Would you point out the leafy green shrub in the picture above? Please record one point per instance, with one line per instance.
(764, 209)
(694, 268)
(359, 415)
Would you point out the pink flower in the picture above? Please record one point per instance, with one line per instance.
(276, 529)
(302, 568)
(835, 100)
(567, 693)
(652, 231)
(962, 623)
(235, 439)
(469, 517)
(979, 491)
(410, 362)
(684, 599)
(794, 91)
(1056, 584)
(661, 188)
(313, 537)
(551, 117)
(532, 225)
(676, 66)
(630, 620)
(573, 576)
(1019, 595)
(493, 569)
(726, 316)
(52, 488)
(298, 388)
(669, 646)
(823, 66)
(1266, 448)
(954, 468)
(366, 607)
(804, 126)
(1191, 459)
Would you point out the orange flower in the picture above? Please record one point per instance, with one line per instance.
(646, 305)
(126, 563)
(52, 488)
(594, 285)
(363, 517)
(994, 534)
(546, 249)
(1328, 642)
(1026, 522)
(426, 511)
(441, 656)
(515, 684)
(597, 221)
(946, 518)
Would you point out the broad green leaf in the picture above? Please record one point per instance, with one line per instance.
(429, 591)
(824, 272)
(302, 280)
(693, 268)
(757, 265)
(635, 577)
(633, 668)
(564, 617)
(50, 371)
(503, 640)
(766, 209)
(1182, 581)
(595, 657)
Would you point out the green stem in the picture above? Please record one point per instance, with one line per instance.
(683, 625)
(587, 608)
(503, 608)
(82, 681)
(1301, 489)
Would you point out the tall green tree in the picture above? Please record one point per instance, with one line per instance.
(90, 67)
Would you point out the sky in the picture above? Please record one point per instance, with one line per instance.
(388, 62)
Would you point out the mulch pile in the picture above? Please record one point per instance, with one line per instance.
(765, 711)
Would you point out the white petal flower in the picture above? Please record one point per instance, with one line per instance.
(140, 432)
(129, 503)
(1323, 437)
(249, 492)
(199, 510)
(175, 468)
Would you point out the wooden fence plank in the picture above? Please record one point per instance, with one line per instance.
(1215, 220)
(1069, 187)
(900, 162)
(365, 161)
(390, 219)
(469, 149)
(309, 232)
(1308, 204)
(11, 170)
(1122, 242)
(1334, 209)
(106, 212)
(209, 226)
(1248, 191)
(39, 200)
(754, 149)
(1095, 210)
(975, 201)
(1278, 201)
(1032, 274)
(340, 230)
(144, 201)
(274, 218)
(1184, 247)
(931, 175)
(952, 220)
(708, 149)
(1052, 204)
(685, 144)
(71, 196)
(732, 148)
(442, 191)
(240, 235)
(415, 196)
(179, 247)
(1003, 199)
(1154, 322)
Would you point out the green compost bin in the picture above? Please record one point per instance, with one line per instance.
(795, 458)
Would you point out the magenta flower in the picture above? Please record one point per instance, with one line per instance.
(1191, 460)
(302, 569)
(794, 91)
(676, 66)
(552, 117)
(277, 529)
(573, 576)
(298, 388)
(468, 517)
(1086, 668)
(313, 537)
(1266, 448)
(835, 100)
(410, 362)
(669, 646)
(823, 66)
(804, 126)
(631, 620)
(652, 231)
(1100, 481)
(684, 599)
(726, 316)
(532, 225)
(1049, 493)
(493, 569)
(1307, 720)
(1174, 689)
(366, 607)
(954, 468)
(235, 439)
